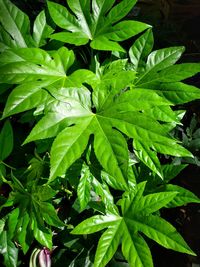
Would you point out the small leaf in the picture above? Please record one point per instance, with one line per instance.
(152, 202)
(23, 237)
(159, 60)
(41, 31)
(6, 140)
(148, 157)
(141, 49)
(49, 214)
(83, 190)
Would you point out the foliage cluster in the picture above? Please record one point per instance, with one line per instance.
(101, 119)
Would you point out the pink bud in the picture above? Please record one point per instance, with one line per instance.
(45, 258)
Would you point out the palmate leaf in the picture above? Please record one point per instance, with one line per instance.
(69, 113)
(100, 26)
(126, 229)
(160, 75)
(44, 72)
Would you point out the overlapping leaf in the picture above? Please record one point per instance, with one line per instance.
(15, 28)
(100, 26)
(136, 217)
(70, 116)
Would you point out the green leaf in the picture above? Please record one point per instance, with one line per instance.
(45, 192)
(159, 60)
(170, 171)
(120, 10)
(147, 156)
(177, 92)
(69, 146)
(42, 235)
(49, 214)
(152, 202)
(15, 22)
(103, 191)
(108, 244)
(6, 40)
(84, 187)
(23, 237)
(162, 232)
(183, 197)
(101, 28)
(174, 73)
(13, 222)
(9, 250)
(6, 140)
(31, 64)
(135, 249)
(141, 49)
(41, 31)
(21, 99)
(95, 224)
(136, 217)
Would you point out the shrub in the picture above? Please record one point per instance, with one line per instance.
(100, 119)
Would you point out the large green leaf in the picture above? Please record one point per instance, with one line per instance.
(71, 117)
(136, 217)
(100, 26)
